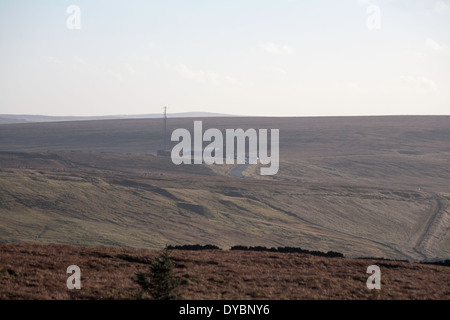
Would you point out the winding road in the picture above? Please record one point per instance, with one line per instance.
(237, 171)
(433, 230)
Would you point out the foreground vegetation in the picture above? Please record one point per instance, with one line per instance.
(39, 272)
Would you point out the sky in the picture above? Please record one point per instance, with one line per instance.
(244, 57)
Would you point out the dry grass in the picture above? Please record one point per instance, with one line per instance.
(363, 186)
(39, 272)
(123, 200)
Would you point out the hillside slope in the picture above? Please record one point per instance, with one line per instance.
(375, 186)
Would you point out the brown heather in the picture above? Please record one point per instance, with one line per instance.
(29, 271)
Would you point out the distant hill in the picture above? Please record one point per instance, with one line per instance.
(25, 118)
(5, 119)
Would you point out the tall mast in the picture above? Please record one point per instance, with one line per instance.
(165, 129)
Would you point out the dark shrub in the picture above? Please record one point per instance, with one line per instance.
(159, 282)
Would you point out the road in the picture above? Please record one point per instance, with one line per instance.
(237, 171)
(434, 229)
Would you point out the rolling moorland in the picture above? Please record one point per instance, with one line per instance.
(363, 186)
(94, 192)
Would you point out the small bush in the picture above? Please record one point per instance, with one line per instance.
(131, 258)
(159, 282)
(194, 247)
(331, 254)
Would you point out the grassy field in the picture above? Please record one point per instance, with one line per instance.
(39, 272)
(363, 186)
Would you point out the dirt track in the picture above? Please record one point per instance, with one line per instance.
(435, 228)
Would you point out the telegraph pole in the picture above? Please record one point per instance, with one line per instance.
(165, 129)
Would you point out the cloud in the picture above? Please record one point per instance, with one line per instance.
(200, 75)
(114, 74)
(351, 87)
(419, 83)
(436, 47)
(54, 60)
(442, 6)
(80, 60)
(430, 43)
(277, 49)
(280, 70)
(274, 70)
(346, 87)
(417, 54)
(130, 69)
(197, 75)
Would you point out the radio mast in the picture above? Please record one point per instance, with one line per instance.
(165, 129)
(163, 151)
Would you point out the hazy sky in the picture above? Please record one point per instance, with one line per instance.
(251, 57)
